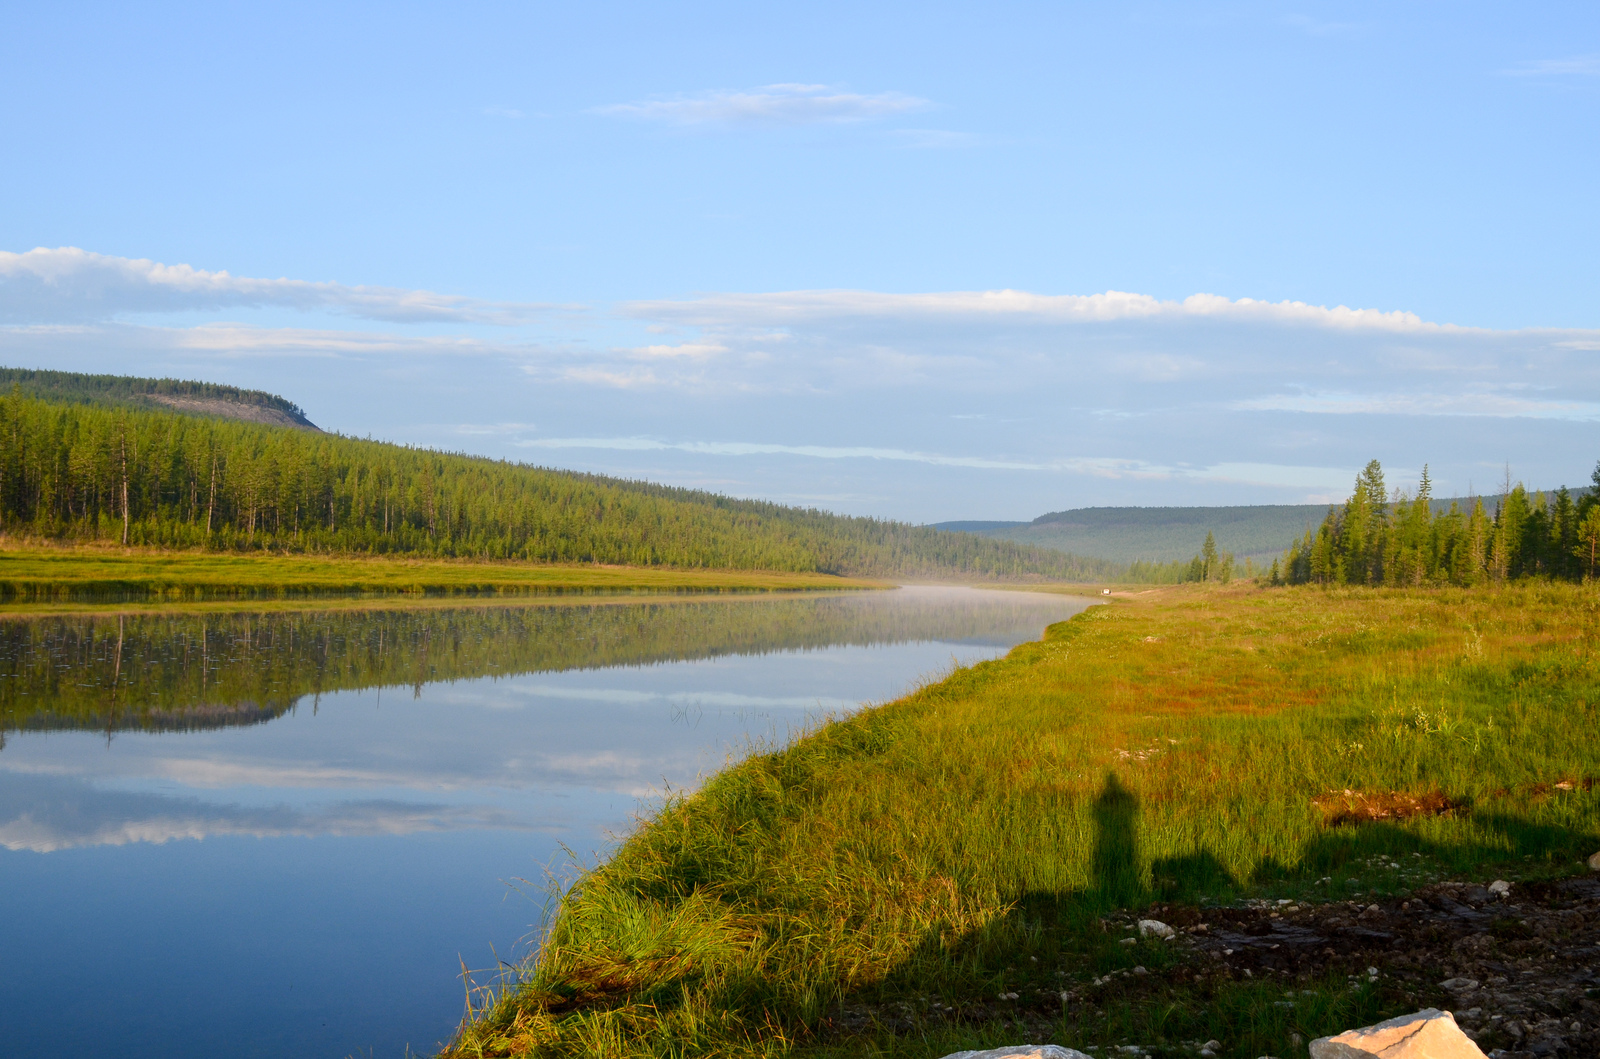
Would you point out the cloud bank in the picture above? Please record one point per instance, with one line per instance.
(70, 285)
(998, 305)
(875, 396)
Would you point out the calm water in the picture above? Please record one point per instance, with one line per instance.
(283, 834)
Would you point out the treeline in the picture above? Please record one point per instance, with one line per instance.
(82, 472)
(124, 390)
(1374, 539)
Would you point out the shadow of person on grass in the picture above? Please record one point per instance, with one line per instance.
(1044, 931)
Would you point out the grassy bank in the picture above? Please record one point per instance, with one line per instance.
(948, 870)
(35, 578)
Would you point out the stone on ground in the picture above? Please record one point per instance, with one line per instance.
(1594, 862)
(1023, 1051)
(1426, 1034)
(1154, 928)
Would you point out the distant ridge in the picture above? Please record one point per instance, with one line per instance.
(178, 395)
(1162, 534)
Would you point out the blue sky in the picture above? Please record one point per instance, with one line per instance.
(747, 247)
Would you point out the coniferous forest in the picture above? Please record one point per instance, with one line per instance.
(143, 477)
(1376, 539)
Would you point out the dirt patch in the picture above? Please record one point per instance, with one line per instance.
(1340, 808)
(1521, 972)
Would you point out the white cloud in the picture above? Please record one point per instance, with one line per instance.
(1425, 404)
(67, 285)
(1110, 306)
(1577, 65)
(741, 448)
(1097, 467)
(770, 105)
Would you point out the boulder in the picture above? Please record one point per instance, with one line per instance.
(1426, 1034)
(1154, 928)
(1594, 862)
(1023, 1051)
(1500, 888)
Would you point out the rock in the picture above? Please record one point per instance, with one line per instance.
(1459, 985)
(1500, 888)
(1426, 1034)
(1594, 862)
(1023, 1051)
(1154, 928)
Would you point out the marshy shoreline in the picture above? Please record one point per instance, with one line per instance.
(952, 869)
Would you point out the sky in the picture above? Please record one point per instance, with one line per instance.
(921, 261)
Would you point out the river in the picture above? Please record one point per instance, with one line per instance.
(285, 833)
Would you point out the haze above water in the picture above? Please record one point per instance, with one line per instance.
(281, 834)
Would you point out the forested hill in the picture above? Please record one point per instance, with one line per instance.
(147, 477)
(1167, 534)
(179, 395)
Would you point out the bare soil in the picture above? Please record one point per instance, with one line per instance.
(1521, 972)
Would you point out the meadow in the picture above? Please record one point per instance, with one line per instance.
(956, 868)
(38, 578)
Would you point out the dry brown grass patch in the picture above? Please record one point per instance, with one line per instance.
(1340, 808)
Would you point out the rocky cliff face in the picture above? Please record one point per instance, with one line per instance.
(225, 409)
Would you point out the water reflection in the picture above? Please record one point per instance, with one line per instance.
(158, 671)
(279, 834)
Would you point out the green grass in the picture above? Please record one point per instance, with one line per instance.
(967, 839)
(35, 579)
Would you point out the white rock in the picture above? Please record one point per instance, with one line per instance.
(1500, 888)
(1023, 1051)
(1154, 928)
(1594, 862)
(1426, 1034)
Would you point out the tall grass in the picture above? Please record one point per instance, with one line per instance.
(1168, 746)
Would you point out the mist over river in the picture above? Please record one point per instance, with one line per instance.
(282, 833)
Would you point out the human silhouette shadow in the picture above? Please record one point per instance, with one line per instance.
(1115, 865)
(1045, 932)
(1040, 923)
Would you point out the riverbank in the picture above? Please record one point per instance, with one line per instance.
(965, 867)
(35, 578)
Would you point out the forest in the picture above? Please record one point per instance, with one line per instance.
(1376, 539)
(132, 476)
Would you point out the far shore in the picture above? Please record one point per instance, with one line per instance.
(40, 578)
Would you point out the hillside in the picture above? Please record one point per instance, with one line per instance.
(1159, 534)
(179, 395)
(1164, 534)
(131, 475)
